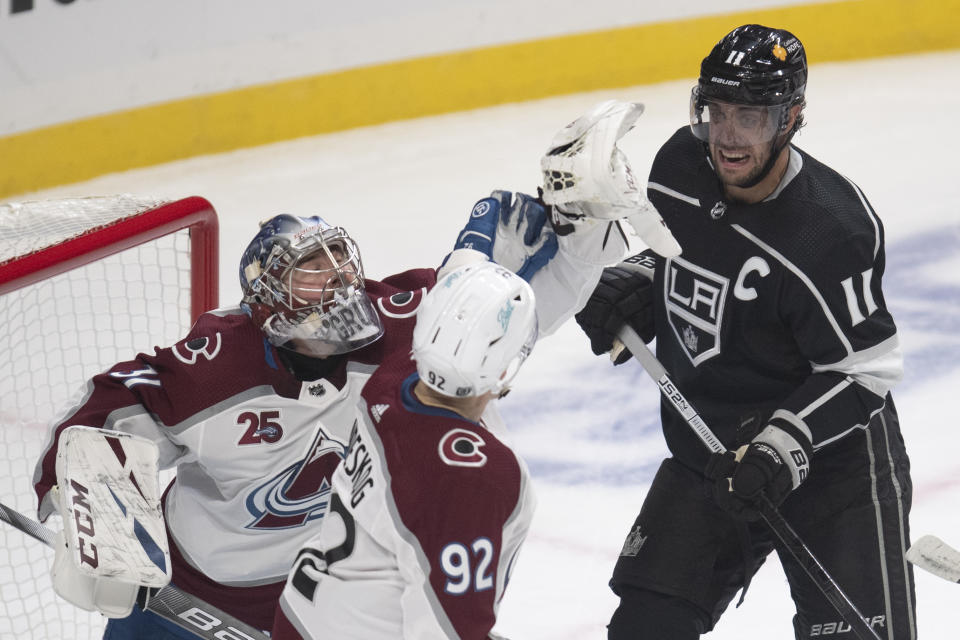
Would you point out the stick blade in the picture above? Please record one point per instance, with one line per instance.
(932, 554)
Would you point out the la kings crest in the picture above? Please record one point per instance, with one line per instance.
(694, 299)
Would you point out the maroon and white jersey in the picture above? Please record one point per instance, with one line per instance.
(254, 446)
(427, 516)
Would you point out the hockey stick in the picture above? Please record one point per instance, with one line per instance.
(936, 556)
(182, 609)
(770, 514)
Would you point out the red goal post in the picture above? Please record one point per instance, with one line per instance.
(84, 283)
(194, 213)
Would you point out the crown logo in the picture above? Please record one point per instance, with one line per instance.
(635, 540)
(690, 338)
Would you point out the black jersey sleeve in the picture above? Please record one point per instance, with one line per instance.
(834, 304)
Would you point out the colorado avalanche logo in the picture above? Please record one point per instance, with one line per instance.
(461, 448)
(402, 305)
(299, 493)
(202, 346)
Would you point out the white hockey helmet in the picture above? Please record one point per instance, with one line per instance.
(474, 330)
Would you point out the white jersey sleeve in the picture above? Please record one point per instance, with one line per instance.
(563, 286)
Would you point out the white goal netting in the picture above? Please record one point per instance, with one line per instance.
(70, 323)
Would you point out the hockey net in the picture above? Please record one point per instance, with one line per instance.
(84, 283)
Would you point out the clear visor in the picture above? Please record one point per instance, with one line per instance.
(735, 125)
(513, 368)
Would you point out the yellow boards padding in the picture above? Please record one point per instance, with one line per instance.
(628, 56)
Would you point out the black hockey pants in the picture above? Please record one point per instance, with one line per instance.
(685, 559)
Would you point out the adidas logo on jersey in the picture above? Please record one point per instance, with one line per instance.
(378, 410)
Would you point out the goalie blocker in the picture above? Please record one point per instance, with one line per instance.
(114, 540)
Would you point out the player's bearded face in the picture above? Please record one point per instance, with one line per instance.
(741, 140)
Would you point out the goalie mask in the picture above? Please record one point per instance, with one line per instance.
(302, 282)
(474, 330)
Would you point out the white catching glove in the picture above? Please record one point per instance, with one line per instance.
(114, 540)
(586, 176)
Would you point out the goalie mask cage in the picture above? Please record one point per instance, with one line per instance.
(84, 283)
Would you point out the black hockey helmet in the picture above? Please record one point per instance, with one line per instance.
(755, 65)
(752, 65)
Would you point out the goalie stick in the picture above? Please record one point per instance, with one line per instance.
(182, 609)
(770, 514)
(932, 554)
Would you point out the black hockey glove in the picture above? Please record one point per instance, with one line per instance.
(623, 296)
(773, 464)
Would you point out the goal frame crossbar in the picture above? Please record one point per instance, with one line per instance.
(193, 213)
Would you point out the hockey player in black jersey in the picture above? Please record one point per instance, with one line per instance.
(772, 323)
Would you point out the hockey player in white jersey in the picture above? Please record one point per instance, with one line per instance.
(254, 407)
(430, 504)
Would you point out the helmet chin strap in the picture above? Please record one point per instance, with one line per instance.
(768, 166)
(775, 151)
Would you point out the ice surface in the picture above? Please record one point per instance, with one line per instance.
(589, 431)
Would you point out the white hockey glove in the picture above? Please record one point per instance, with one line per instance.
(114, 539)
(510, 229)
(587, 177)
